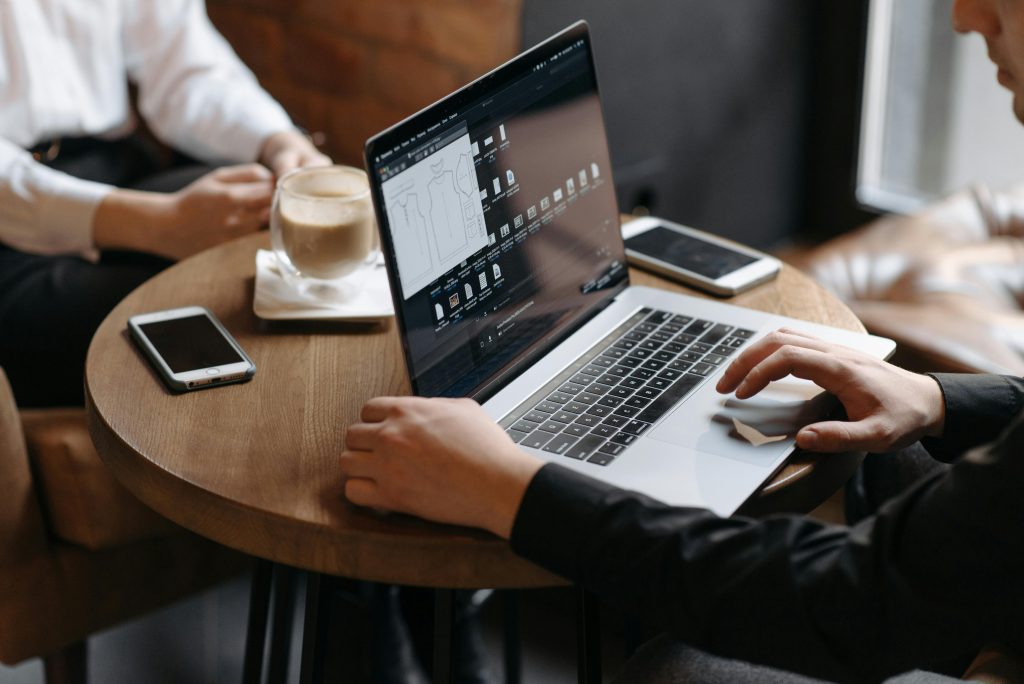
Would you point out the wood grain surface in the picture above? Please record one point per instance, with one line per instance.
(254, 466)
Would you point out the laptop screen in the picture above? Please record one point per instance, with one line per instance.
(499, 218)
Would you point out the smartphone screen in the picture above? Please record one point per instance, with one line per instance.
(688, 253)
(190, 343)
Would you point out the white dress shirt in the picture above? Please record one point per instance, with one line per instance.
(64, 72)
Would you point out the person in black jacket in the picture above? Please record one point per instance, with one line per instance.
(931, 576)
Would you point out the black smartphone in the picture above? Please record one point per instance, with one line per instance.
(190, 348)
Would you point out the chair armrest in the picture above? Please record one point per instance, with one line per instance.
(22, 529)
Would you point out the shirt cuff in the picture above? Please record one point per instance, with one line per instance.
(979, 407)
(557, 505)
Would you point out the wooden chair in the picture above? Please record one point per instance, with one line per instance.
(78, 553)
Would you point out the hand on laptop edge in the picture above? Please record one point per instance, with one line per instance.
(887, 407)
(440, 459)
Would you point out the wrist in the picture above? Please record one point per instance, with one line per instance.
(935, 411)
(510, 485)
(133, 220)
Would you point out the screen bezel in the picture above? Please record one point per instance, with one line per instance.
(386, 142)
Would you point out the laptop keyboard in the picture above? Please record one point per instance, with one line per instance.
(612, 393)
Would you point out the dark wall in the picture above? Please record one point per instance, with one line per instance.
(738, 117)
(705, 105)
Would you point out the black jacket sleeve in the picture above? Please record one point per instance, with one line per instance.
(978, 408)
(936, 573)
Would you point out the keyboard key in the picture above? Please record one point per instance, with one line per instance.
(680, 365)
(670, 374)
(588, 420)
(674, 347)
(552, 427)
(653, 364)
(610, 401)
(559, 398)
(612, 449)
(601, 458)
(661, 336)
(619, 371)
(716, 334)
(581, 379)
(603, 362)
(652, 345)
(629, 362)
(536, 417)
(632, 382)
(702, 369)
(664, 356)
(684, 338)
(640, 353)
(597, 388)
(698, 327)
(680, 320)
(713, 359)
(536, 440)
(625, 345)
(743, 333)
(587, 398)
(615, 421)
(584, 448)
(634, 335)
(593, 369)
(643, 373)
(645, 328)
(546, 407)
(723, 351)
(623, 438)
(621, 392)
(670, 328)
(734, 342)
(648, 392)
(576, 406)
(690, 356)
(659, 383)
(598, 410)
(626, 411)
(563, 417)
(658, 317)
(637, 402)
(576, 430)
(607, 379)
(635, 427)
(700, 347)
(604, 431)
(516, 435)
(613, 353)
(571, 388)
(524, 427)
(560, 444)
(669, 398)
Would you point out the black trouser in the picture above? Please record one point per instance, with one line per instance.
(50, 306)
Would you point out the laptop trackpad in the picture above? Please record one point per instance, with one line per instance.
(744, 430)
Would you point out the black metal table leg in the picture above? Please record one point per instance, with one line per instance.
(281, 625)
(314, 631)
(588, 638)
(444, 628)
(513, 641)
(256, 630)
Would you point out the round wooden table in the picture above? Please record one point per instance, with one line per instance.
(254, 466)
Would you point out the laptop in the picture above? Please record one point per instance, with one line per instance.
(500, 229)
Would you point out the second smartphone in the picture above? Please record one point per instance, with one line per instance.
(695, 258)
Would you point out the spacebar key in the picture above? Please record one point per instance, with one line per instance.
(669, 398)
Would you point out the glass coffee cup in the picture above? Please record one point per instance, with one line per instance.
(323, 230)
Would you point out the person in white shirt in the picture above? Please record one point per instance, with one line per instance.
(70, 158)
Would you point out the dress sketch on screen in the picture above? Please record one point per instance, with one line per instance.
(409, 222)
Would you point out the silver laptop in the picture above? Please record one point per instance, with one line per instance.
(500, 229)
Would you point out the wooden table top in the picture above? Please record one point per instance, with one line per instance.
(254, 466)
